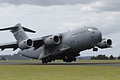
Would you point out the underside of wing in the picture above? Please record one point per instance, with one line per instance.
(38, 42)
(13, 45)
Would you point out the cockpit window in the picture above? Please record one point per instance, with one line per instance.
(90, 30)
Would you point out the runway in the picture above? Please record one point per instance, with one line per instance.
(60, 63)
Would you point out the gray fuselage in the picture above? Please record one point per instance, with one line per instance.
(75, 41)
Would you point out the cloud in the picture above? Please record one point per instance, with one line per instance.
(106, 5)
(100, 5)
(46, 2)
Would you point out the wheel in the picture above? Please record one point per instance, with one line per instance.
(44, 61)
(69, 59)
(95, 49)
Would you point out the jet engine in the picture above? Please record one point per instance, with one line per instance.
(105, 43)
(25, 44)
(52, 40)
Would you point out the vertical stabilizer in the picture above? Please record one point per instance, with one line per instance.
(19, 32)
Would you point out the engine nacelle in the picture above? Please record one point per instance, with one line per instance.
(52, 40)
(25, 44)
(105, 43)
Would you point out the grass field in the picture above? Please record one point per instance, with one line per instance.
(59, 72)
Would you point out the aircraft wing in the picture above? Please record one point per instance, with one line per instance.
(37, 43)
(13, 45)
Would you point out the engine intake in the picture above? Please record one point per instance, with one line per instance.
(25, 44)
(52, 40)
(105, 43)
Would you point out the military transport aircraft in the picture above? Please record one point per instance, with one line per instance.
(65, 46)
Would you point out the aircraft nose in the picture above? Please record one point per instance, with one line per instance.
(99, 35)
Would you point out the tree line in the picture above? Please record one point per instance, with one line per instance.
(103, 57)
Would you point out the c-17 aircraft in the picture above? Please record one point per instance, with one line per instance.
(65, 46)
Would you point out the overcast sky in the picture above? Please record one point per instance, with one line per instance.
(56, 16)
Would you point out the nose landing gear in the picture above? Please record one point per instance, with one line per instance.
(95, 49)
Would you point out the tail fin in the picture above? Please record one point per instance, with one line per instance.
(19, 32)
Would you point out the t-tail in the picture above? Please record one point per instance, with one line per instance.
(19, 33)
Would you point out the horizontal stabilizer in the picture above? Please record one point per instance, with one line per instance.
(28, 30)
(16, 26)
(10, 28)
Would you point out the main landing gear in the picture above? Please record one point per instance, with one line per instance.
(47, 59)
(69, 59)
